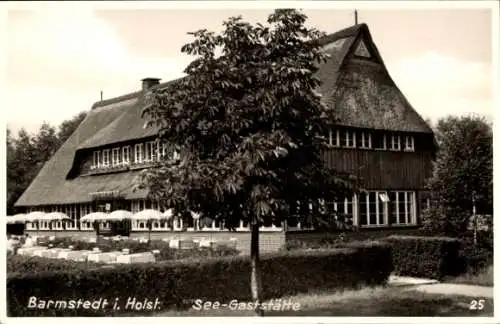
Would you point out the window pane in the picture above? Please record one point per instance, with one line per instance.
(342, 138)
(372, 201)
(380, 211)
(362, 209)
(393, 206)
(401, 204)
(378, 141)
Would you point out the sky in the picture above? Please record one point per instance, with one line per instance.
(59, 58)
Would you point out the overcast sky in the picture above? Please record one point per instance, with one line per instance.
(59, 59)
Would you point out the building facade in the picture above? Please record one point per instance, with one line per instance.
(379, 138)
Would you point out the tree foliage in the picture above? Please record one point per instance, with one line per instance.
(248, 122)
(27, 153)
(463, 174)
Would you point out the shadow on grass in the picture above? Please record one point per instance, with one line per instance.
(378, 302)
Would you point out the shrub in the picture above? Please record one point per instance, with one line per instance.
(177, 283)
(475, 257)
(34, 264)
(426, 256)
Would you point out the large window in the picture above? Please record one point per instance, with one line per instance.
(373, 208)
(403, 209)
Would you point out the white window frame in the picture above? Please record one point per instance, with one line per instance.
(105, 158)
(350, 141)
(115, 156)
(409, 143)
(381, 198)
(384, 142)
(150, 151)
(334, 138)
(366, 140)
(96, 159)
(126, 155)
(395, 139)
(138, 153)
(410, 213)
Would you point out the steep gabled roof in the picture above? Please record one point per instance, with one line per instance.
(362, 95)
(361, 90)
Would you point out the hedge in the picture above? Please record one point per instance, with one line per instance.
(177, 283)
(35, 264)
(426, 256)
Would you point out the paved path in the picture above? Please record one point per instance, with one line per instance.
(455, 289)
(434, 287)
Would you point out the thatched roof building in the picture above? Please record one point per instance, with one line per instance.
(364, 96)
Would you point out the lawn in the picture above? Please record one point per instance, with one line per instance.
(482, 278)
(365, 302)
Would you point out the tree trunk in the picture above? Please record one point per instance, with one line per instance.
(255, 279)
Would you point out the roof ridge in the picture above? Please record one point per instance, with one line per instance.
(131, 95)
(346, 32)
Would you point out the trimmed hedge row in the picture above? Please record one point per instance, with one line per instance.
(34, 264)
(426, 256)
(177, 283)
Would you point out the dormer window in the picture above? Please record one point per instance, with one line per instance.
(115, 157)
(138, 153)
(105, 158)
(150, 152)
(409, 143)
(126, 155)
(96, 160)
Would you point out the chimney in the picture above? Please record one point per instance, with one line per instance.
(149, 82)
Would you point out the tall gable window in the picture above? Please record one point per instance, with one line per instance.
(361, 50)
(126, 154)
(395, 142)
(409, 143)
(96, 159)
(138, 153)
(105, 158)
(115, 157)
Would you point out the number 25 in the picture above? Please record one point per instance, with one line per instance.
(477, 304)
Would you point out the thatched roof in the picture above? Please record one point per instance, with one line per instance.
(363, 95)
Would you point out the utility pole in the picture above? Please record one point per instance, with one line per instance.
(355, 17)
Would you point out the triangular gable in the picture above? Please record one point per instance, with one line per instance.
(361, 50)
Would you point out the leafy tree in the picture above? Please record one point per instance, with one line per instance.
(463, 174)
(21, 157)
(46, 143)
(248, 124)
(26, 155)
